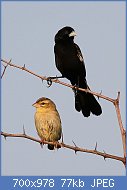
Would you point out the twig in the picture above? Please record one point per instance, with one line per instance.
(74, 148)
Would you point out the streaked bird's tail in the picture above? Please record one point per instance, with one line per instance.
(51, 147)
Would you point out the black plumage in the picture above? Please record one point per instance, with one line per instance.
(69, 61)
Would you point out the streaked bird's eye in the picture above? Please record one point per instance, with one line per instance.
(42, 103)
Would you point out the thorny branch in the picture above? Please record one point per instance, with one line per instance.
(114, 101)
(62, 144)
(57, 81)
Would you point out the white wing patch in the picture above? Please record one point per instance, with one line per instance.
(80, 57)
(79, 54)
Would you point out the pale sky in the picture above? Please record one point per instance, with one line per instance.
(28, 30)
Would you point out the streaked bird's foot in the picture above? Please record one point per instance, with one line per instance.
(56, 145)
(42, 143)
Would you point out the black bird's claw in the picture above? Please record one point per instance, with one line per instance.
(49, 81)
(75, 89)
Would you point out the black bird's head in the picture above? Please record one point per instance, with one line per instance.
(65, 34)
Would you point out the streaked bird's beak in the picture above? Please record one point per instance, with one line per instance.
(73, 33)
(36, 105)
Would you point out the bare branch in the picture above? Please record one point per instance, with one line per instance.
(75, 148)
(58, 81)
(99, 95)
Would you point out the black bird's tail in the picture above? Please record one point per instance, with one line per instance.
(86, 102)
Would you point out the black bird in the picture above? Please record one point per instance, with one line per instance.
(69, 61)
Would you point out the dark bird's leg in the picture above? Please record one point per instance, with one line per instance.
(49, 79)
(55, 77)
(76, 93)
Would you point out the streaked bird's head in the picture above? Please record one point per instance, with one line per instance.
(44, 104)
(65, 34)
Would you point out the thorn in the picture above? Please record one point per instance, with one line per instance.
(24, 133)
(24, 66)
(118, 96)
(62, 138)
(75, 147)
(74, 143)
(104, 155)
(95, 147)
(42, 81)
(56, 77)
(10, 60)
(100, 94)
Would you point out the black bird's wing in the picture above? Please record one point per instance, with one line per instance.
(69, 61)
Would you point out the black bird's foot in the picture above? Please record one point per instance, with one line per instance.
(75, 89)
(56, 77)
(49, 81)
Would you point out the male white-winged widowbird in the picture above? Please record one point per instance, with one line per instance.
(69, 61)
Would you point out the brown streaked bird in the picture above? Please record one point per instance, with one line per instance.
(47, 121)
(69, 61)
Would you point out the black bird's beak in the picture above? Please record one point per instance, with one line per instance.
(73, 33)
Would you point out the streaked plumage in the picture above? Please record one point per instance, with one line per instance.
(47, 121)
